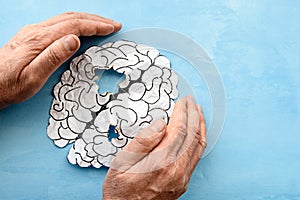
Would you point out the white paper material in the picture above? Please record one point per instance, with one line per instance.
(82, 116)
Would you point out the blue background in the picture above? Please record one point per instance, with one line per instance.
(255, 46)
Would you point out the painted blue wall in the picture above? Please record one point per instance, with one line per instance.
(256, 47)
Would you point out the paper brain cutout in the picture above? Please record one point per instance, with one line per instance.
(80, 115)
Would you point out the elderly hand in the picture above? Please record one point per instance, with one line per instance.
(38, 50)
(159, 161)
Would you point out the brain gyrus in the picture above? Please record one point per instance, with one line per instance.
(82, 116)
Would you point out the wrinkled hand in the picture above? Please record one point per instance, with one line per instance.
(159, 161)
(37, 50)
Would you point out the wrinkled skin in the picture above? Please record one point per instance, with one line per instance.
(37, 50)
(159, 162)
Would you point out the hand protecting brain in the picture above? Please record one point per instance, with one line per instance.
(37, 50)
(80, 114)
(160, 160)
(151, 160)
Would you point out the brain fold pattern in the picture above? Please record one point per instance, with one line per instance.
(80, 116)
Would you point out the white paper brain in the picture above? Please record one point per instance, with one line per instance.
(80, 115)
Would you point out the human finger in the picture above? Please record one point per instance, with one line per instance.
(197, 153)
(148, 138)
(176, 130)
(193, 123)
(53, 56)
(201, 140)
(202, 124)
(79, 15)
(81, 27)
(140, 146)
(193, 131)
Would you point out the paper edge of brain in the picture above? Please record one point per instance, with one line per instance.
(82, 117)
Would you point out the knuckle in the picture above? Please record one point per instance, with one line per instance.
(195, 130)
(76, 26)
(68, 13)
(75, 22)
(53, 56)
(144, 142)
(29, 26)
(182, 128)
(72, 14)
(203, 144)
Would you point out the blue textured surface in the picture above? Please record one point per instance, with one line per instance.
(255, 46)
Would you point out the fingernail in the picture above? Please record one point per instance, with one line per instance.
(71, 43)
(158, 125)
(110, 28)
(114, 22)
(118, 23)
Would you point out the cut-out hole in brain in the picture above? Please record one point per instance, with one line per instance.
(111, 133)
(99, 124)
(108, 80)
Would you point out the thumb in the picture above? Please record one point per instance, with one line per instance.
(54, 55)
(143, 143)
